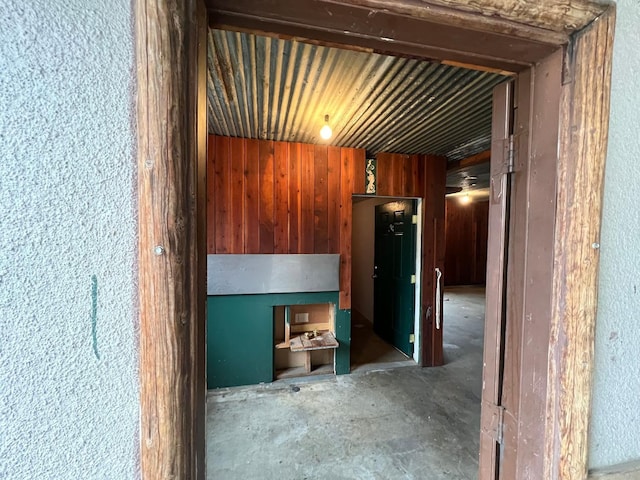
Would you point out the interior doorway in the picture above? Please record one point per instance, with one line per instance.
(382, 338)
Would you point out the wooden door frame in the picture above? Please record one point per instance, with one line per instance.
(509, 35)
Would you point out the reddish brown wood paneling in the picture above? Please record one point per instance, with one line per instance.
(320, 201)
(346, 211)
(466, 230)
(307, 229)
(281, 195)
(433, 191)
(277, 197)
(398, 175)
(238, 195)
(333, 201)
(252, 198)
(211, 188)
(222, 196)
(266, 198)
(294, 198)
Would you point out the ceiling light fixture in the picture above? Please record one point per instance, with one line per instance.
(326, 132)
(465, 199)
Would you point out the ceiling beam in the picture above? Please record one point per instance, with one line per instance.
(407, 31)
(472, 161)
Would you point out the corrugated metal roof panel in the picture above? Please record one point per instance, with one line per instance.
(268, 88)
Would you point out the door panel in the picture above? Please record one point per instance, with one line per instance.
(495, 315)
(395, 260)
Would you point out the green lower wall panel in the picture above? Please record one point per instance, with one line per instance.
(240, 344)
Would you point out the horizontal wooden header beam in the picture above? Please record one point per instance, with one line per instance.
(472, 161)
(563, 17)
(398, 28)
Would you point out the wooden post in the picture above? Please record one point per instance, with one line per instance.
(171, 123)
(582, 151)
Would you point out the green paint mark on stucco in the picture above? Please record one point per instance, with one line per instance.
(94, 314)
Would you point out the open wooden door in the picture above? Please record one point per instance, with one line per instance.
(524, 173)
(495, 312)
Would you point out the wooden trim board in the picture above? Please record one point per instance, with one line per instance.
(171, 126)
(625, 471)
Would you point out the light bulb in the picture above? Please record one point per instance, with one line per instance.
(326, 132)
(465, 199)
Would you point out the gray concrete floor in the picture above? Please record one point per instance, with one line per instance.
(401, 423)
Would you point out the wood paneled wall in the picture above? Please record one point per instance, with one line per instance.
(466, 242)
(280, 197)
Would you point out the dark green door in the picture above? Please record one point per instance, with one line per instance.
(394, 275)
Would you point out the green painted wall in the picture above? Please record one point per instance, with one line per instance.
(240, 343)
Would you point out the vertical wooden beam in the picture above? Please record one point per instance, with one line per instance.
(198, 149)
(346, 212)
(171, 124)
(432, 191)
(583, 144)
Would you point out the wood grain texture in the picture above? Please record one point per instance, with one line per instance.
(428, 31)
(320, 200)
(171, 242)
(347, 172)
(237, 192)
(252, 197)
(334, 183)
(307, 220)
(267, 197)
(553, 15)
(466, 230)
(295, 198)
(278, 197)
(281, 198)
(222, 196)
(583, 144)
(211, 188)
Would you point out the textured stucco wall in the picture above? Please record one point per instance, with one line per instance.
(615, 426)
(68, 406)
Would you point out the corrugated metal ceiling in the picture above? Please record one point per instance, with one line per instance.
(268, 88)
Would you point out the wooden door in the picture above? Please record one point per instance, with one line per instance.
(495, 312)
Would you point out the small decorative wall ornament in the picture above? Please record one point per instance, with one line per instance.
(370, 176)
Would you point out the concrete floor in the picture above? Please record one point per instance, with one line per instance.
(377, 423)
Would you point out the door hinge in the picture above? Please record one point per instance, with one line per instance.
(412, 338)
(413, 279)
(511, 155)
(493, 421)
(414, 219)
